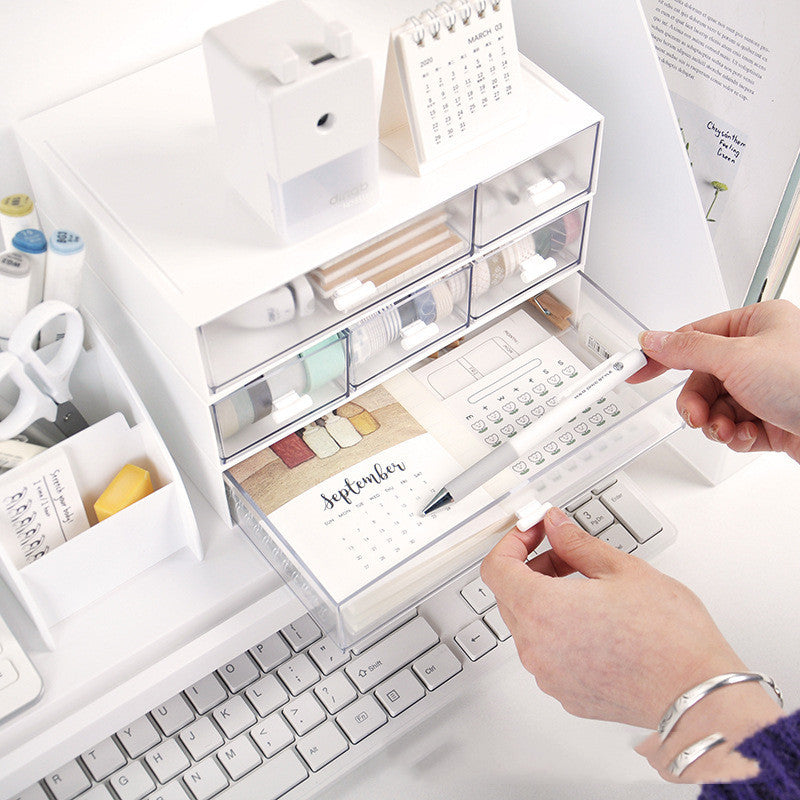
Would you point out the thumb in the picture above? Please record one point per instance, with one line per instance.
(579, 550)
(689, 349)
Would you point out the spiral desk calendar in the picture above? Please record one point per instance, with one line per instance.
(452, 80)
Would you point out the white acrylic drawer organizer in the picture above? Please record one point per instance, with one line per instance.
(109, 553)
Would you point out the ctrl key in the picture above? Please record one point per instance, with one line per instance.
(437, 666)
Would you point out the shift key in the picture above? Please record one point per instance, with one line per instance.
(391, 654)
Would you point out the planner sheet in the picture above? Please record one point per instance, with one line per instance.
(352, 511)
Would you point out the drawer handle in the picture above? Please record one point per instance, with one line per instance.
(351, 293)
(546, 191)
(416, 333)
(534, 267)
(290, 405)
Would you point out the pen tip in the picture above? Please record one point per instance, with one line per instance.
(443, 498)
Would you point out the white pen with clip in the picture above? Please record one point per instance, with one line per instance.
(600, 380)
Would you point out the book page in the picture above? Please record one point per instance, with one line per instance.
(731, 68)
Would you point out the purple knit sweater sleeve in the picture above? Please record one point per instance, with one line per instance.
(777, 749)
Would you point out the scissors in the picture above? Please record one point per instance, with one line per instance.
(43, 386)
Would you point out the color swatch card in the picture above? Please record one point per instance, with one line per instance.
(345, 494)
(452, 80)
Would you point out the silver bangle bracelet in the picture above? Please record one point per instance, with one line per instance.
(690, 754)
(697, 693)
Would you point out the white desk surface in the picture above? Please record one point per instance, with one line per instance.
(737, 549)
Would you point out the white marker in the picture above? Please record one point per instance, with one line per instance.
(62, 277)
(17, 212)
(598, 382)
(15, 290)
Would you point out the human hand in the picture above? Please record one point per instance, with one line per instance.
(744, 390)
(622, 645)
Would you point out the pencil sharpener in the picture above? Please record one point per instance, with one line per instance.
(296, 116)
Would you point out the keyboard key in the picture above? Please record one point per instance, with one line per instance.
(618, 537)
(234, 716)
(270, 652)
(632, 513)
(138, 737)
(496, 624)
(205, 779)
(172, 791)
(361, 719)
(603, 485)
(277, 776)
(8, 674)
(476, 640)
(201, 738)
(321, 746)
(304, 713)
(437, 666)
(167, 760)
(327, 656)
(272, 735)
(594, 517)
(172, 715)
(399, 692)
(34, 792)
(132, 782)
(478, 595)
(67, 782)
(239, 673)
(239, 757)
(577, 503)
(98, 792)
(335, 692)
(206, 693)
(266, 695)
(103, 759)
(393, 653)
(298, 674)
(301, 633)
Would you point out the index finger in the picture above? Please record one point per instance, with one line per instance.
(505, 570)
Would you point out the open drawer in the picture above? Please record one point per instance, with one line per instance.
(345, 528)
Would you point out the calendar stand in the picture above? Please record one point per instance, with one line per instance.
(452, 82)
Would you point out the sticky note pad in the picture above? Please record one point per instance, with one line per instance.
(130, 484)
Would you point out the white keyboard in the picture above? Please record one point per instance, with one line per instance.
(20, 684)
(293, 713)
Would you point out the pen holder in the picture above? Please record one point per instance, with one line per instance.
(296, 116)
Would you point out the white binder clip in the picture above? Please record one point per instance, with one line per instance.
(534, 267)
(530, 514)
(352, 293)
(290, 405)
(417, 333)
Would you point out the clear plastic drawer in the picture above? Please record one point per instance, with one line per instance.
(280, 397)
(344, 528)
(536, 186)
(401, 329)
(503, 274)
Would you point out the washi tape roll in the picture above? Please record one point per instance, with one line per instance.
(481, 277)
(459, 284)
(443, 298)
(303, 296)
(425, 306)
(324, 362)
(542, 240)
(291, 377)
(244, 407)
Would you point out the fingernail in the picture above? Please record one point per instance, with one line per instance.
(713, 433)
(687, 417)
(745, 434)
(653, 341)
(557, 517)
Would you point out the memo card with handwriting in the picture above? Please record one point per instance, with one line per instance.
(452, 81)
(349, 508)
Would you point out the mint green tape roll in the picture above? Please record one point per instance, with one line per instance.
(324, 362)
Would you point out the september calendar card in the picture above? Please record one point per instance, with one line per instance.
(353, 513)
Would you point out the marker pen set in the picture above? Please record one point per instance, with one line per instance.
(32, 268)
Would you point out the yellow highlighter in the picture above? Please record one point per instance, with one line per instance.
(130, 484)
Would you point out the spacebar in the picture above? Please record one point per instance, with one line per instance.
(392, 653)
(271, 780)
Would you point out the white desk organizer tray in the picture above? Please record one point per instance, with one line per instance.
(503, 273)
(213, 286)
(107, 554)
(536, 186)
(343, 525)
